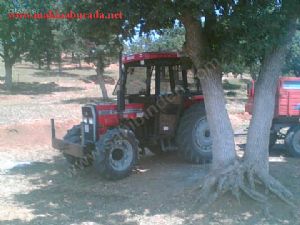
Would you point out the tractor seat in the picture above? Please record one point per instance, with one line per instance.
(172, 104)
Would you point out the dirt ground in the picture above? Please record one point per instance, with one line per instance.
(37, 188)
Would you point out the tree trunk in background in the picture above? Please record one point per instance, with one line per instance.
(40, 64)
(79, 62)
(223, 148)
(73, 57)
(48, 59)
(100, 73)
(8, 75)
(257, 153)
(59, 65)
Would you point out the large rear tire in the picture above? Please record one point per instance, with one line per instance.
(116, 154)
(292, 141)
(193, 136)
(74, 136)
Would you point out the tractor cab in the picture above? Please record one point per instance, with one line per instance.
(159, 107)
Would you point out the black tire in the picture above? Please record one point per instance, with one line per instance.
(74, 136)
(272, 140)
(116, 154)
(292, 141)
(193, 136)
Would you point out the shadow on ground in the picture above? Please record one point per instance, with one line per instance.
(158, 195)
(94, 79)
(86, 100)
(46, 73)
(36, 88)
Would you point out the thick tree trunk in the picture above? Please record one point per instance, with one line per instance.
(257, 146)
(223, 148)
(8, 75)
(100, 72)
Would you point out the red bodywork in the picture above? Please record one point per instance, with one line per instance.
(108, 115)
(149, 55)
(287, 102)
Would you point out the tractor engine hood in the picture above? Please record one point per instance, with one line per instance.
(109, 116)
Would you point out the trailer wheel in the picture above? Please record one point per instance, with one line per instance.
(73, 136)
(193, 136)
(116, 154)
(273, 139)
(292, 141)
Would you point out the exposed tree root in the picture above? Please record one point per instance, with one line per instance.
(240, 177)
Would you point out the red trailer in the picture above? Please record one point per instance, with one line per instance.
(286, 113)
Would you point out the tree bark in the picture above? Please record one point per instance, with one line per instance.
(59, 65)
(256, 154)
(223, 148)
(40, 64)
(8, 75)
(100, 72)
(79, 61)
(48, 59)
(73, 57)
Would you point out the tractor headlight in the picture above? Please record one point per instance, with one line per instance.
(91, 121)
(85, 120)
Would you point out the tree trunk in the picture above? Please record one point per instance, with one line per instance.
(73, 57)
(8, 75)
(59, 65)
(257, 146)
(40, 64)
(223, 148)
(79, 62)
(100, 72)
(48, 59)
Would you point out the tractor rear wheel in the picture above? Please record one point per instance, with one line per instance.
(116, 153)
(74, 136)
(193, 136)
(292, 141)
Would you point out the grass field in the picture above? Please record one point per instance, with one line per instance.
(36, 188)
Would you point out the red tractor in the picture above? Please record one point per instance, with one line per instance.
(159, 106)
(286, 119)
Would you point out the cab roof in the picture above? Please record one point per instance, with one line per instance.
(156, 58)
(149, 55)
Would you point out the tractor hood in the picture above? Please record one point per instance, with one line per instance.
(109, 116)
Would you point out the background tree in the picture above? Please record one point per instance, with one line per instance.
(101, 37)
(293, 56)
(167, 40)
(14, 37)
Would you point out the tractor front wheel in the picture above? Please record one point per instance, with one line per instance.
(116, 153)
(193, 136)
